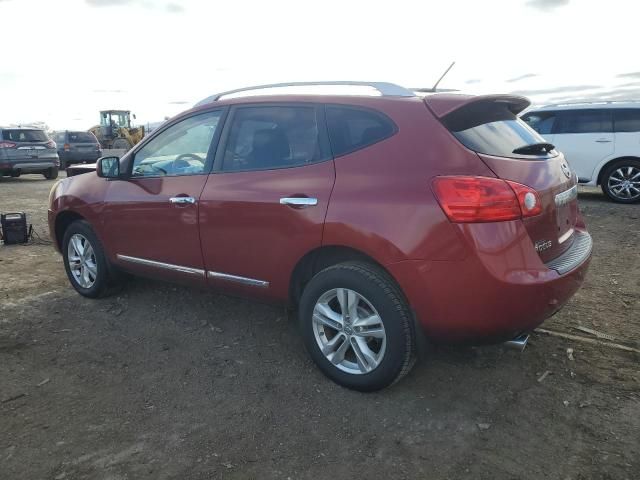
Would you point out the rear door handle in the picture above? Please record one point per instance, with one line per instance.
(603, 140)
(299, 202)
(182, 200)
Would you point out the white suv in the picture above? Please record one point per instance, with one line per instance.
(601, 141)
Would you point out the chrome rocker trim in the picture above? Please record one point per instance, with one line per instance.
(235, 278)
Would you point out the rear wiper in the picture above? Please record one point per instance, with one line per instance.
(535, 148)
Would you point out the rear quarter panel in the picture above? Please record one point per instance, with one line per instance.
(382, 203)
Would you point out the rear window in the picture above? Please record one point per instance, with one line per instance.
(81, 137)
(351, 129)
(492, 130)
(627, 120)
(24, 135)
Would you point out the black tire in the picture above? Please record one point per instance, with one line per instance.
(15, 174)
(384, 295)
(106, 279)
(51, 174)
(612, 170)
(121, 144)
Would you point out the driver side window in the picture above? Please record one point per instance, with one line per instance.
(182, 149)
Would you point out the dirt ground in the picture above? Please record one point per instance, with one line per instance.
(162, 382)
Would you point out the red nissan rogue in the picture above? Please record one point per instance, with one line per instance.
(382, 216)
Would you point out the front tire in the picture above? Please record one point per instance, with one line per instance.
(357, 326)
(621, 181)
(85, 261)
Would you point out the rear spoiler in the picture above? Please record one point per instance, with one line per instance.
(459, 112)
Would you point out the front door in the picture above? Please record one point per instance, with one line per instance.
(264, 206)
(152, 217)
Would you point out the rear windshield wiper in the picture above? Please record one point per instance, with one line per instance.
(535, 149)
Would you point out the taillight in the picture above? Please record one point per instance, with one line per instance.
(528, 198)
(66, 147)
(483, 199)
(50, 144)
(7, 145)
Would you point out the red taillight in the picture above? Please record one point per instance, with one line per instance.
(7, 145)
(483, 199)
(50, 144)
(66, 147)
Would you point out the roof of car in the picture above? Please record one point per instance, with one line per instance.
(589, 105)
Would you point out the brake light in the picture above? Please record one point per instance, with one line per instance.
(483, 199)
(7, 145)
(50, 144)
(66, 147)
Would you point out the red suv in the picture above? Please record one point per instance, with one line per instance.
(380, 217)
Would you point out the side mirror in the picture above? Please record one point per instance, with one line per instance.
(108, 167)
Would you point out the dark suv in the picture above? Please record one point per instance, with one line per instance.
(27, 150)
(76, 147)
(378, 217)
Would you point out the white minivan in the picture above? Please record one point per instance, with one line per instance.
(601, 142)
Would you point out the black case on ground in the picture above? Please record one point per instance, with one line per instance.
(14, 228)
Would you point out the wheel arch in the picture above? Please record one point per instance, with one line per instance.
(602, 168)
(321, 258)
(63, 220)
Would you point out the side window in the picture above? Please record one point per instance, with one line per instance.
(627, 120)
(352, 128)
(270, 137)
(182, 149)
(585, 121)
(541, 122)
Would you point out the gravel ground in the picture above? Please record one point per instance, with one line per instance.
(162, 382)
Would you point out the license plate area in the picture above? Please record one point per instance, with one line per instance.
(566, 212)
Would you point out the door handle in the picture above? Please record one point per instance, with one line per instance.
(182, 200)
(299, 202)
(603, 140)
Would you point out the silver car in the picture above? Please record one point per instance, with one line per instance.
(27, 150)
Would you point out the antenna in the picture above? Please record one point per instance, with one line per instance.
(443, 75)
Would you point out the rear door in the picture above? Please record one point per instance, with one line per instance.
(264, 206)
(151, 218)
(586, 138)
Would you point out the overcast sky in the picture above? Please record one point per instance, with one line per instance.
(63, 61)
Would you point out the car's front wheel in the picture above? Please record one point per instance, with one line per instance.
(85, 261)
(357, 326)
(621, 181)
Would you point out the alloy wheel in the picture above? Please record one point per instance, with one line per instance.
(82, 261)
(349, 331)
(624, 183)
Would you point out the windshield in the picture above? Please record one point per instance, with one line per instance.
(115, 119)
(21, 135)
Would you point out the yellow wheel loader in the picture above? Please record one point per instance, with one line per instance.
(115, 130)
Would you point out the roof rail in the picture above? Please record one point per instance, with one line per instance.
(386, 89)
(592, 102)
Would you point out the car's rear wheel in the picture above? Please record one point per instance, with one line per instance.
(357, 326)
(51, 174)
(85, 261)
(621, 181)
(15, 174)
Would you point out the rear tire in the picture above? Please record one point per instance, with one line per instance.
(366, 346)
(121, 143)
(621, 174)
(15, 174)
(51, 174)
(88, 272)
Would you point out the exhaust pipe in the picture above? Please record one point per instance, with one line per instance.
(519, 343)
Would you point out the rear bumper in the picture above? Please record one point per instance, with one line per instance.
(26, 166)
(499, 291)
(71, 157)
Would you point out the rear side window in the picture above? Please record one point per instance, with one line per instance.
(541, 122)
(25, 135)
(81, 137)
(351, 129)
(492, 129)
(270, 137)
(626, 120)
(585, 121)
